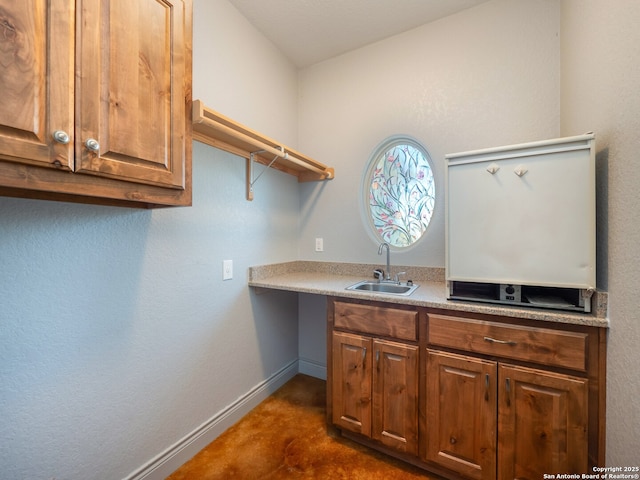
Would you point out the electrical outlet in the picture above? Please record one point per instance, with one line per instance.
(227, 269)
(319, 245)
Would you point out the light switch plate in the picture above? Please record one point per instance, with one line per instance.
(227, 269)
(319, 245)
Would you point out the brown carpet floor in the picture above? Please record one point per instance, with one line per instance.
(285, 437)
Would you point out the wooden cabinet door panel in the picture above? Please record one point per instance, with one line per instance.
(461, 414)
(132, 78)
(542, 423)
(395, 396)
(351, 382)
(36, 81)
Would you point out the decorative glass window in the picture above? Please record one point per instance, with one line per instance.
(400, 192)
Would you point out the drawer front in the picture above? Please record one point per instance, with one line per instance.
(388, 322)
(530, 344)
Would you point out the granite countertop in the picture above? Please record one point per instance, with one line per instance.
(332, 279)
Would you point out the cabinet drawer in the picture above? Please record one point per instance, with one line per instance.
(530, 344)
(388, 322)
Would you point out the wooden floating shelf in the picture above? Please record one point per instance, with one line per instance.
(215, 129)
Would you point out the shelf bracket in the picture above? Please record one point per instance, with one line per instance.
(250, 162)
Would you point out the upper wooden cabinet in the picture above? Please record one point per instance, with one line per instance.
(96, 101)
(37, 82)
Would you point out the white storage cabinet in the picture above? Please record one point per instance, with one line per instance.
(523, 214)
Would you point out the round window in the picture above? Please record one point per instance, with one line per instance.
(399, 191)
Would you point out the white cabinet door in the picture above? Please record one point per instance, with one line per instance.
(523, 214)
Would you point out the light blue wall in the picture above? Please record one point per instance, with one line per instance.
(118, 336)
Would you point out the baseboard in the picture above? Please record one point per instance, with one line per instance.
(172, 458)
(312, 368)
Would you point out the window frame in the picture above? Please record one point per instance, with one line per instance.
(365, 187)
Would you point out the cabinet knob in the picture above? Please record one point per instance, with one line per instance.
(61, 136)
(92, 144)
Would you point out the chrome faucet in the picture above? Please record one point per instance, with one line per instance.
(382, 247)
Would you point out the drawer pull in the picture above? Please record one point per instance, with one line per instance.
(508, 389)
(364, 353)
(502, 342)
(486, 387)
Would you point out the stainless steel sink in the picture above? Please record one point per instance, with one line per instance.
(384, 287)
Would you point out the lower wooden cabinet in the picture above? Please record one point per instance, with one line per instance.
(352, 383)
(375, 390)
(542, 423)
(461, 411)
(374, 379)
(486, 419)
(467, 396)
(395, 395)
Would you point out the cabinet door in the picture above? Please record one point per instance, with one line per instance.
(395, 395)
(132, 81)
(351, 382)
(542, 423)
(461, 414)
(36, 81)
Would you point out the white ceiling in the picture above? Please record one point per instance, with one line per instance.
(310, 31)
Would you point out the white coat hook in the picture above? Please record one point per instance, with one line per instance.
(493, 168)
(520, 170)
